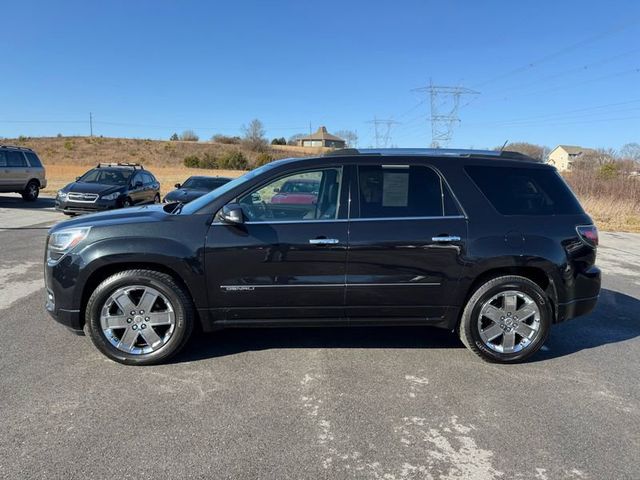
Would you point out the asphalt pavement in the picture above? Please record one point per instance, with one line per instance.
(380, 403)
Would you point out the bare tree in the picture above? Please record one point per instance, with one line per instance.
(254, 136)
(349, 136)
(189, 136)
(630, 151)
(537, 152)
(293, 139)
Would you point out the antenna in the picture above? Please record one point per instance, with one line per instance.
(503, 145)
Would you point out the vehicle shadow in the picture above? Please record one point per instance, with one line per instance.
(10, 201)
(615, 319)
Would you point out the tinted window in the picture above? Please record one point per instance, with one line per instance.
(402, 191)
(147, 178)
(525, 191)
(34, 161)
(106, 176)
(274, 202)
(15, 159)
(3, 158)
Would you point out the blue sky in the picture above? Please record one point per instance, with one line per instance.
(548, 72)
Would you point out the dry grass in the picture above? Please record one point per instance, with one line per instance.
(157, 153)
(59, 175)
(613, 202)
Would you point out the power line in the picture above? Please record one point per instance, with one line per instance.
(558, 53)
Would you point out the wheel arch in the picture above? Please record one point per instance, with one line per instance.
(105, 271)
(536, 274)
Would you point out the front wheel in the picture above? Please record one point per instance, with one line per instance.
(139, 317)
(31, 192)
(156, 199)
(506, 320)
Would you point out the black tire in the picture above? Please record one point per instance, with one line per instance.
(165, 284)
(31, 192)
(469, 330)
(127, 203)
(156, 199)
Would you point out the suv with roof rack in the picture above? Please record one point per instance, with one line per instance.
(21, 171)
(109, 186)
(490, 245)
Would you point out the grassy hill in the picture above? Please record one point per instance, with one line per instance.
(88, 151)
(66, 158)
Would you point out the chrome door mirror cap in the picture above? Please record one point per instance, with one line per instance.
(232, 213)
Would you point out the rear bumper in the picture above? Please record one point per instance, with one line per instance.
(586, 291)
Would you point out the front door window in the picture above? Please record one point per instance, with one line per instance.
(303, 196)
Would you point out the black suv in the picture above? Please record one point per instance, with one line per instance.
(490, 245)
(109, 186)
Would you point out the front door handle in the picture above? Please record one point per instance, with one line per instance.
(324, 241)
(446, 238)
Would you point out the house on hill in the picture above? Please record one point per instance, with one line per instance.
(564, 156)
(321, 138)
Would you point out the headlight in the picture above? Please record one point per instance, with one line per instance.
(111, 196)
(62, 195)
(63, 241)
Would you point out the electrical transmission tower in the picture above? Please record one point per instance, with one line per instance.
(382, 131)
(445, 104)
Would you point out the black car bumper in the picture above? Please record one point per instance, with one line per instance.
(99, 205)
(60, 302)
(586, 289)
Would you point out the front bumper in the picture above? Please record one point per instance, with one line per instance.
(67, 206)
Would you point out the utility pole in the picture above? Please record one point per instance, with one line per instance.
(445, 104)
(382, 131)
(91, 123)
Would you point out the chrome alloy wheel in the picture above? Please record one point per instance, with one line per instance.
(137, 319)
(509, 322)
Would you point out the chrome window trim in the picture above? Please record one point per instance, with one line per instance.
(378, 219)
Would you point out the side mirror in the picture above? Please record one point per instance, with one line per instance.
(138, 184)
(177, 185)
(277, 189)
(78, 178)
(232, 213)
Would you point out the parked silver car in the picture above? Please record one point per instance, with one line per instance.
(21, 171)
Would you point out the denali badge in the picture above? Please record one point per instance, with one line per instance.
(237, 289)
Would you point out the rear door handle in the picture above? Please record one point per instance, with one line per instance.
(446, 238)
(324, 241)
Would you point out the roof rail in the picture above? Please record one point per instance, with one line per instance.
(136, 166)
(431, 152)
(16, 147)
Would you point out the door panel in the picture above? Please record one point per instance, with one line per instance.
(273, 271)
(395, 269)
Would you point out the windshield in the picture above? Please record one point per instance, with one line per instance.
(203, 201)
(106, 176)
(203, 183)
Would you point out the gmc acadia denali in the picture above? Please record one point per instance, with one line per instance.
(490, 245)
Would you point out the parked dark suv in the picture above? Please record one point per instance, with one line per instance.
(490, 245)
(109, 186)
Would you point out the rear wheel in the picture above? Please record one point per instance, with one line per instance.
(139, 317)
(31, 192)
(506, 320)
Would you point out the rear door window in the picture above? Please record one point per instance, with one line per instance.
(525, 191)
(400, 191)
(15, 159)
(3, 158)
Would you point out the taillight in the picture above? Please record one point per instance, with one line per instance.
(588, 234)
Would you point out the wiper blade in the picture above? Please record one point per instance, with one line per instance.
(178, 208)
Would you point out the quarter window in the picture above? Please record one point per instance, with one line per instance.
(309, 195)
(34, 161)
(398, 191)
